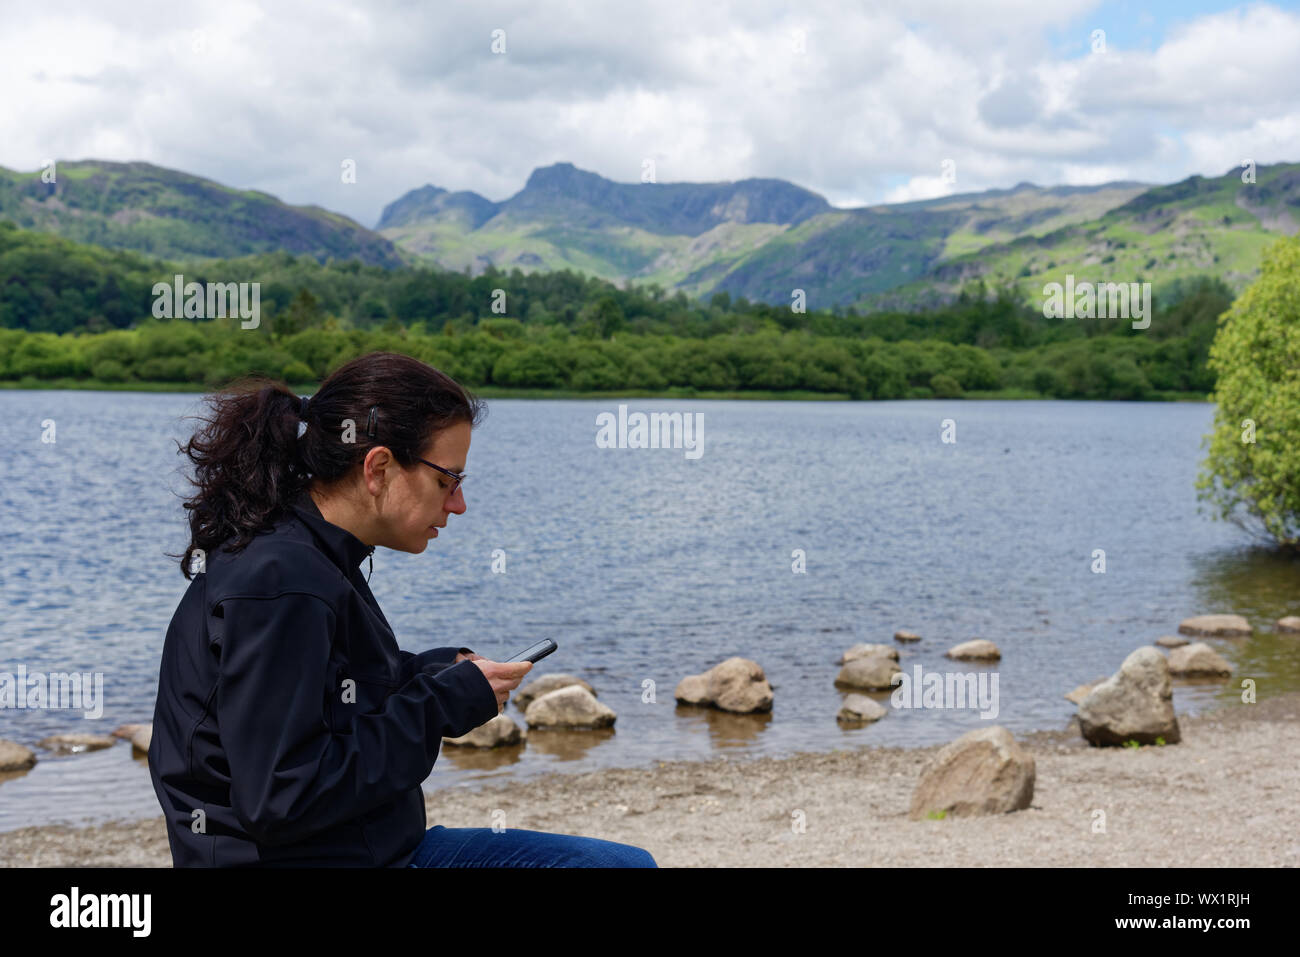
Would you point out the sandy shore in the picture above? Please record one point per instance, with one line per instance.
(1224, 797)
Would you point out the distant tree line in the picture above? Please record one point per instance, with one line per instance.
(81, 312)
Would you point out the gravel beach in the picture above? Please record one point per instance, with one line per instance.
(1224, 797)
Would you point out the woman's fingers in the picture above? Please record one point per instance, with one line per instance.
(504, 676)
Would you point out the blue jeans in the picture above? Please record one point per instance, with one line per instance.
(516, 847)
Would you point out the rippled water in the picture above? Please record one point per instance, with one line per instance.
(646, 565)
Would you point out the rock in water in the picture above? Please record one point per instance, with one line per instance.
(569, 707)
(1220, 626)
(739, 685)
(14, 756)
(1198, 661)
(902, 635)
(1171, 641)
(872, 673)
(983, 772)
(693, 689)
(75, 743)
(544, 685)
(495, 733)
(859, 709)
(979, 649)
(1134, 704)
(862, 651)
(1288, 625)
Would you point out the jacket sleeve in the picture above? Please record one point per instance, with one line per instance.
(411, 663)
(289, 775)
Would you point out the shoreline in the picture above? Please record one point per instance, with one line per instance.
(1221, 797)
(496, 392)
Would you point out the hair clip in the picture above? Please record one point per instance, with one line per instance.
(372, 421)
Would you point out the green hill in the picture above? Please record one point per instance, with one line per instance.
(1201, 226)
(173, 215)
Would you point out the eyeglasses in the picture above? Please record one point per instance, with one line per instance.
(459, 477)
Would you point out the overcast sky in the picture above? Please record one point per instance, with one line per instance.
(860, 102)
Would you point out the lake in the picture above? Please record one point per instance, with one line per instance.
(647, 565)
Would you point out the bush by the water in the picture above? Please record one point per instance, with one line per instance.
(1252, 474)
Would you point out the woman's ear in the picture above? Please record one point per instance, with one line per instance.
(377, 469)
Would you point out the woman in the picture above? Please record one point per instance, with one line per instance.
(290, 729)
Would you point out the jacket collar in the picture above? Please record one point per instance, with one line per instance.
(344, 548)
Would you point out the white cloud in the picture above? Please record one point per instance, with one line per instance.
(276, 97)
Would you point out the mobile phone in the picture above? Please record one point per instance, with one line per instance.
(537, 652)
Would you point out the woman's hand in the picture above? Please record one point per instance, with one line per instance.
(469, 657)
(504, 676)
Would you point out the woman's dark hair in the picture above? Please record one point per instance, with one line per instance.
(250, 461)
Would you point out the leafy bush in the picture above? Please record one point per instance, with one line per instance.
(1252, 473)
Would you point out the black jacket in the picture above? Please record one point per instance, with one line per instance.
(288, 716)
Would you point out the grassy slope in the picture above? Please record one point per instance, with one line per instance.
(834, 256)
(173, 215)
(1216, 226)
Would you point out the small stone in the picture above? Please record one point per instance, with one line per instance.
(1290, 624)
(859, 709)
(1215, 626)
(906, 636)
(1198, 661)
(872, 673)
(14, 756)
(1171, 641)
(544, 685)
(862, 651)
(75, 743)
(978, 649)
(569, 707)
(495, 733)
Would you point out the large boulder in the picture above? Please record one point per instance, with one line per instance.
(14, 756)
(862, 651)
(572, 706)
(1215, 626)
(1198, 660)
(497, 732)
(738, 685)
(545, 685)
(979, 649)
(859, 709)
(871, 673)
(75, 743)
(1134, 704)
(983, 772)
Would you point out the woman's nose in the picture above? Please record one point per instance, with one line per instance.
(456, 501)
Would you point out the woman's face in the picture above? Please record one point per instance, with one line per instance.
(416, 503)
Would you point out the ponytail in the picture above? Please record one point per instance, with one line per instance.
(252, 457)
